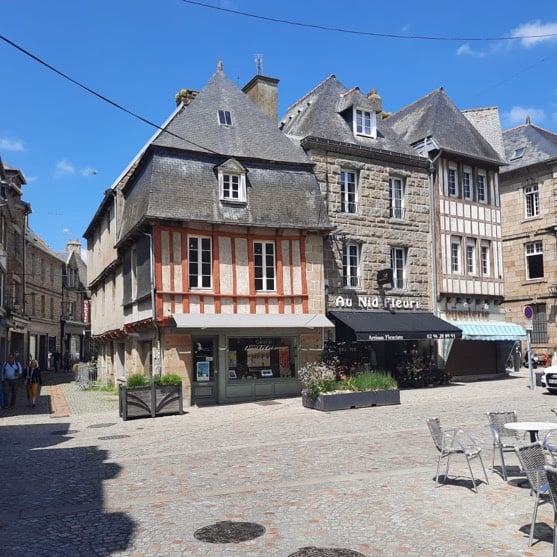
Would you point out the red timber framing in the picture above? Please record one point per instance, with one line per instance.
(173, 294)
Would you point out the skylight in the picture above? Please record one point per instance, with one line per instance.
(518, 153)
(224, 118)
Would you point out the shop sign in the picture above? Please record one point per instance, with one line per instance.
(376, 302)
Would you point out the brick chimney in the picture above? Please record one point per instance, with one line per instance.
(263, 91)
(376, 101)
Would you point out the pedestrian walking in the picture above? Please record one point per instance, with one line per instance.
(33, 382)
(11, 372)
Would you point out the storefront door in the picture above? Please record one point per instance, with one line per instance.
(204, 372)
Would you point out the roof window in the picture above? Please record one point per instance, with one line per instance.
(517, 154)
(224, 118)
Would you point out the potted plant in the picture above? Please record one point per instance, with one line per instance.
(142, 397)
(322, 390)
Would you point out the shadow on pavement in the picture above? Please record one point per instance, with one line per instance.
(52, 496)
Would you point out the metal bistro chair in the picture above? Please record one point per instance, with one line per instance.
(504, 440)
(550, 445)
(551, 474)
(532, 459)
(454, 441)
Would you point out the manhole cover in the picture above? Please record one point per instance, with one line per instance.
(267, 402)
(229, 532)
(104, 438)
(325, 552)
(64, 432)
(100, 425)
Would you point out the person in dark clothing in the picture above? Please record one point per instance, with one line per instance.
(33, 382)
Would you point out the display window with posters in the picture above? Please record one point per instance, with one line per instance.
(203, 359)
(261, 358)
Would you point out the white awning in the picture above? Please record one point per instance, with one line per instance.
(251, 321)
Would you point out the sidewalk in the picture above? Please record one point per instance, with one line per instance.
(359, 481)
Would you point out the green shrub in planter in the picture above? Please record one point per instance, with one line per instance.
(165, 380)
(137, 380)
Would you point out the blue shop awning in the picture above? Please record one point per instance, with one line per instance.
(490, 330)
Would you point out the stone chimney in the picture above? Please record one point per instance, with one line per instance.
(73, 245)
(263, 91)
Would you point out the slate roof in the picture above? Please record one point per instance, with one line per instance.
(436, 116)
(251, 135)
(488, 123)
(539, 146)
(33, 238)
(178, 180)
(319, 114)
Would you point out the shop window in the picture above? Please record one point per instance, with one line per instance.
(203, 360)
(260, 358)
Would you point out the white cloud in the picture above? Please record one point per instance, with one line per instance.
(7, 144)
(517, 115)
(64, 168)
(536, 32)
(465, 50)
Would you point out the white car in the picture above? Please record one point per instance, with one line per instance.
(549, 379)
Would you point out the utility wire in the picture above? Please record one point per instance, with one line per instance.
(366, 33)
(99, 95)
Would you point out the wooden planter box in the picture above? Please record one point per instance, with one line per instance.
(149, 402)
(351, 399)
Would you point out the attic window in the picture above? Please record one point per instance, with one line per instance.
(365, 123)
(518, 153)
(224, 118)
(232, 182)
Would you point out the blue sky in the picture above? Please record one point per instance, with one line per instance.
(72, 146)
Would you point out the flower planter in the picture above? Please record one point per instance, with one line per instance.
(351, 399)
(150, 401)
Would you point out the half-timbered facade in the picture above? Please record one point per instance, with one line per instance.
(215, 270)
(467, 262)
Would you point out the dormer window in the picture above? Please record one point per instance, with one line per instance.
(232, 182)
(224, 118)
(365, 123)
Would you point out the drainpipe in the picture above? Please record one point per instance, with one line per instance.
(433, 213)
(152, 275)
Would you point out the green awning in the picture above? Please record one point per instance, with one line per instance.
(490, 330)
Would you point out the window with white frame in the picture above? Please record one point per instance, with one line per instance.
(264, 266)
(398, 265)
(471, 256)
(200, 259)
(351, 265)
(452, 181)
(365, 122)
(531, 201)
(348, 191)
(485, 258)
(225, 119)
(232, 182)
(534, 260)
(467, 184)
(397, 198)
(481, 187)
(455, 255)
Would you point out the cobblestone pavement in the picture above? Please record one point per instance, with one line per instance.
(80, 481)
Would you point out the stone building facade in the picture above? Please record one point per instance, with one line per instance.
(528, 201)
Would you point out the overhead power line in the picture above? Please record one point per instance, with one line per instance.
(366, 33)
(99, 95)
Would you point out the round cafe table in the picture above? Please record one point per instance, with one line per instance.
(531, 427)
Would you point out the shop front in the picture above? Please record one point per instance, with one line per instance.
(403, 343)
(483, 349)
(237, 358)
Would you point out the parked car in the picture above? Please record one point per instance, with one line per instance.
(549, 379)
